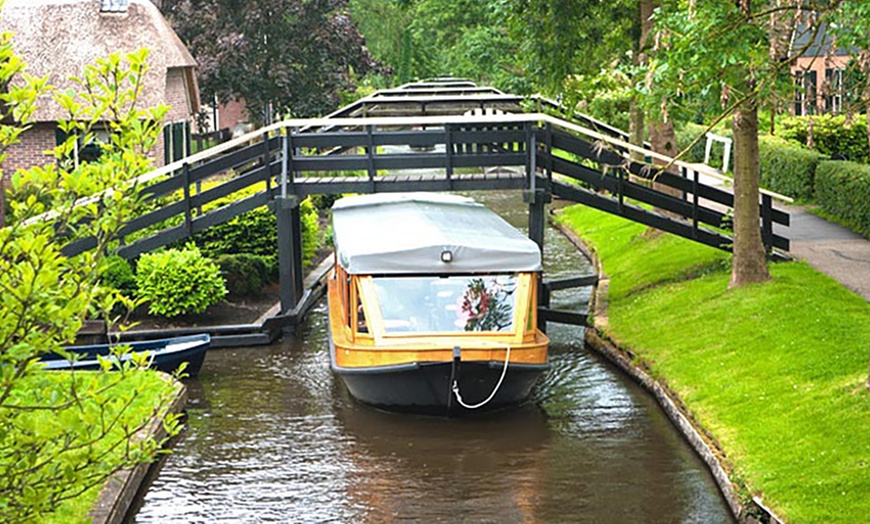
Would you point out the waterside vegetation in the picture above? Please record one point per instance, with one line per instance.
(774, 373)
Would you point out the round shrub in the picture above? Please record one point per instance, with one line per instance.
(179, 281)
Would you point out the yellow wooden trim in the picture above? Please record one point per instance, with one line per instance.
(354, 349)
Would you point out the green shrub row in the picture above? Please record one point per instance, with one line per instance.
(245, 274)
(254, 233)
(787, 168)
(831, 135)
(843, 190)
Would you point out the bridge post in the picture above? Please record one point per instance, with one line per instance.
(289, 233)
(537, 200)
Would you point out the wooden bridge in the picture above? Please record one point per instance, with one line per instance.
(436, 136)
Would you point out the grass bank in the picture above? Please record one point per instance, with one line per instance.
(139, 395)
(774, 372)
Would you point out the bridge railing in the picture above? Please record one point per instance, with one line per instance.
(288, 157)
(179, 199)
(688, 196)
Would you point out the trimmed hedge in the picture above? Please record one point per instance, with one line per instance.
(254, 233)
(843, 190)
(831, 136)
(246, 275)
(787, 168)
(118, 274)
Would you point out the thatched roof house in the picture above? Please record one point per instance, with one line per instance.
(60, 37)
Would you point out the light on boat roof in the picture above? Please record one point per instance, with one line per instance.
(447, 256)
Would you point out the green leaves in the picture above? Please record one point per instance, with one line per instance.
(178, 282)
(62, 433)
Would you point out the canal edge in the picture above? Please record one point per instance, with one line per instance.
(120, 489)
(596, 338)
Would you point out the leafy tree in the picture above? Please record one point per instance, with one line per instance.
(293, 56)
(558, 39)
(722, 50)
(417, 39)
(45, 295)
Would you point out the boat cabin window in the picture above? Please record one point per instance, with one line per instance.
(458, 303)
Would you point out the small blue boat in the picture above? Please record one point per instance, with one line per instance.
(165, 354)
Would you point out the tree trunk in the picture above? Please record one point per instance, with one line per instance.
(635, 128)
(749, 265)
(636, 125)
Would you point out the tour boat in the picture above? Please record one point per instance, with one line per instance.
(433, 304)
(164, 355)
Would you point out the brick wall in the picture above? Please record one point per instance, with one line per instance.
(232, 113)
(30, 150)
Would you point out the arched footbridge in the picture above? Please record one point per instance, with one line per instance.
(443, 135)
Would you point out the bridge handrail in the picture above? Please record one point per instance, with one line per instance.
(291, 124)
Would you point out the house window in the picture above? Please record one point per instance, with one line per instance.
(805, 93)
(89, 151)
(176, 141)
(834, 91)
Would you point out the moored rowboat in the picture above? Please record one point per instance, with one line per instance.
(165, 354)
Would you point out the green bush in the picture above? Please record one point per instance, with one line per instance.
(831, 136)
(118, 274)
(179, 281)
(787, 168)
(252, 232)
(843, 190)
(255, 233)
(246, 275)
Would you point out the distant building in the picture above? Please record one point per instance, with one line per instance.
(232, 116)
(59, 37)
(819, 72)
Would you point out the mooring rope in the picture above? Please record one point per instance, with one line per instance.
(462, 403)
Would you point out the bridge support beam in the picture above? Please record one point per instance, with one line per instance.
(289, 228)
(537, 200)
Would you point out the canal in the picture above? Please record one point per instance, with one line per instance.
(272, 436)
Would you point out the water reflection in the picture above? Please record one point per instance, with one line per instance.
(272, 437)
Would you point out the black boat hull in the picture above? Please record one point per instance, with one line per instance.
(426, 387)
(167, 354)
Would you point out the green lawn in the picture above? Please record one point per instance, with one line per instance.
(775, 372)
(144, 390)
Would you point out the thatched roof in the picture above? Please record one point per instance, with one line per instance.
(59, 37)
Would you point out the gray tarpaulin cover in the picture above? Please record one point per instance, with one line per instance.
(408, 232)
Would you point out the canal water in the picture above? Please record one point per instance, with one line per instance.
(273, 436)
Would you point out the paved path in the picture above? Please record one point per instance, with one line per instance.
(830, 248)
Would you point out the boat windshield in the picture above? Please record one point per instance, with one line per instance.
(457, 303)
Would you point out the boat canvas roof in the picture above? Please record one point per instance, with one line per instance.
(408, 232)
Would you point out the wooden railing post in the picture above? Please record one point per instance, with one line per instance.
(548, 134)
(370, 156)
(265, 161)
(188, 218)
(767, 222)
(448, 150)
(695, 205)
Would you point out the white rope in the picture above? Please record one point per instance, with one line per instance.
(455, 388)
